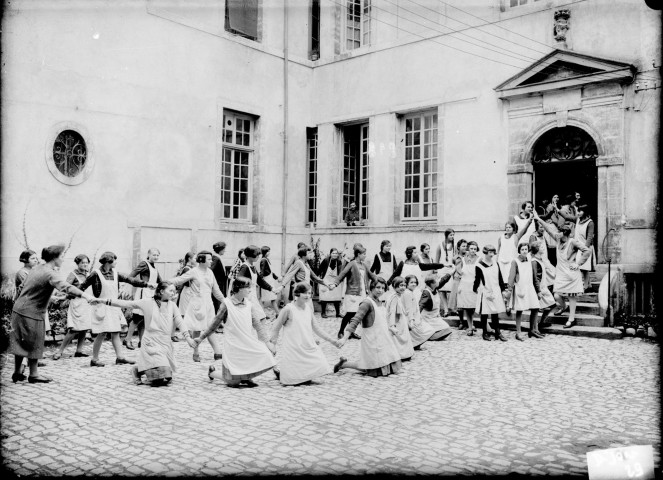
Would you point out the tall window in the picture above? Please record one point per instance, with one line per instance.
(312, 195)
(242, 18)
(238, 133)
(420, 166)
(355, 168)
(358, 23)
(315, 30)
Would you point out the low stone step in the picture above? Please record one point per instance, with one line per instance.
(581, 320)
(576, 331)
(588, 308)
(589, 297)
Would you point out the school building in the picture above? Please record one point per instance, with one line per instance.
(176, 124)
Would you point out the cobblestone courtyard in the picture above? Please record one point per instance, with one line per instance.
(462, 406)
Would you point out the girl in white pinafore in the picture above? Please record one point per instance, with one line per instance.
(432, 315)
(378, 355)
(199, 312)
(507, 243)
(384, 268)
(523, 289)
(301, 359)
(398, 320)
(329, 270)
(413, 266)
(546, 299)
(489, 285)
(156, 358)
(420, 331)
(467, 300)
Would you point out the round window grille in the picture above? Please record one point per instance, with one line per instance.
(70, 153)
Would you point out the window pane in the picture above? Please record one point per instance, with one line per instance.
(416, 166)
(408, 168)
(408, 154)
(417, 138)
(417, 123)
(226, 211)
(407, 211)
(416, 153)
(415, 210)
(427, 120)
(425, 210)
(408, 182)
(408, 124)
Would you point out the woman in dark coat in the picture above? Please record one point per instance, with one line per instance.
(29, 313)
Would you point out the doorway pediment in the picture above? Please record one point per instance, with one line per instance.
(563, 69)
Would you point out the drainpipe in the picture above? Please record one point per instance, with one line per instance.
(284, 200)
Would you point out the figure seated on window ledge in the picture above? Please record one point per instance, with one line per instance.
(352, 216)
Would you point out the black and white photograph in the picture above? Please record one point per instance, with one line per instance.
(330, 238)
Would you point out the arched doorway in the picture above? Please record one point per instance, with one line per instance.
(564, 161)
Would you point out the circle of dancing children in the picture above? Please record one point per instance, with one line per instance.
(397, 305)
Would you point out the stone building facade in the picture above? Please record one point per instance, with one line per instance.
(258, 122)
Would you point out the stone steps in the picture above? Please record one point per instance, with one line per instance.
(584, 327)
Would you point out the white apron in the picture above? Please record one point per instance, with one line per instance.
(327, 295)
(567, 281)
(420, 331)
(402, 340)
(547, 300)
(433, 317)
(508, 251)
(386, 270)
(156, 348)
(581, 235)
(106, 319)
(413, 269)
(524, 294)
(466, 296)
(376, 348)
(491, 286)
(301, 358)
(199, 312)
(521, 224)
(253, 296)
(142, 293)
(351, 302)
(79, 311)
(243, 353)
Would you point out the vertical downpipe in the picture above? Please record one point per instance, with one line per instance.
(284, 204)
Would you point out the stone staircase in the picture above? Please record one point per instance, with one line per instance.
(588, 321)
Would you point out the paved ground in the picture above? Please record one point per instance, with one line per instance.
(462, 406)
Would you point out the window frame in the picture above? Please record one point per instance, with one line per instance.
(312, 201)
(230, 31)
(362, 185)
(433, 172)
(365, 24)
(236, 149)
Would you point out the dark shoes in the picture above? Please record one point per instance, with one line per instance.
(249, 383)
(129, 345)
(500, 337)
(569, 324)
(41, 364)
(277, 374)
(175, 338)
(531, 334)
(218, 356)
(124, 361)
(39, 380)
(339, 364)
(355, 336)
(80, 354)
(486, 337)
(96, 363)
(211, 369)
(19, 377)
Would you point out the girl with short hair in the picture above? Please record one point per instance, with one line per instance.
(329, 270)
(523, 290)
(398, 321)
(420, 330)
(429, 305)
(467, 299)
(489, 287)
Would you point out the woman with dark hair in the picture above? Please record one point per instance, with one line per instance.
(384, 264)
(330, 268)
(523, 291)
(26, 338)
(199, 312)
(270, 277)
(420, 330)
(239, 261)
(584, 232)
(546, 299)
(29, 260)
(78, 313)
(302, 360)
(446, 254)
(105, 283)
(147, 272)
(467, 299)
(378, 356)
(398, 321)
(571, 253)
(248, 270)
(300, 271)
(156, 355)
(429, 305)
(412, 266)
(245, 356)
(524, 222)
(489, 287)
(358, 275)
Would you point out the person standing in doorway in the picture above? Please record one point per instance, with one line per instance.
(147, 272)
